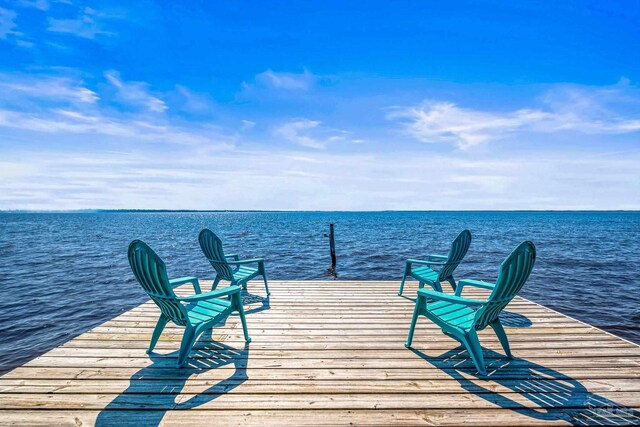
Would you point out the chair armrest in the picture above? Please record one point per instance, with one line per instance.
(229, 290)
(246, 261)
(234, 256)
(440, 296)
(183, 280)
(475, 283)
(420, 261)
(437, 257)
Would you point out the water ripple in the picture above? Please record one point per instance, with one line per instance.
(62, 274)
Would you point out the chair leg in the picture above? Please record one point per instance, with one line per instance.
(502, 336)
(416, 312)
(407, 271)
(266, 286)
(240, 308)
(436, 285)
(453, 284)
(188, 339)
(264, 276)
(472, 344)
(215, 283)
(162, 322)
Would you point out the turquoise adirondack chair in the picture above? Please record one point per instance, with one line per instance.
(424, 274)
(197, 313)
(235, 270)
(461, 318)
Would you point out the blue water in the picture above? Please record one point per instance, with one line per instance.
(62, 274)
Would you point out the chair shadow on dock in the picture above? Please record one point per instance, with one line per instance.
(551, 395)
(510, 319)
(248, 300)
(157, 388)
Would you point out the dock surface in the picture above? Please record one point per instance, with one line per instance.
(329, 353)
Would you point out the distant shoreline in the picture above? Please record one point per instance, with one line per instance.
(297, 211)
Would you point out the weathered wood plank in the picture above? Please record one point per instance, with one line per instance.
(350, 345)
(361, 353)
(364, 386)
(568, 398)
(379, 417)
(162, 373)
(373, 363)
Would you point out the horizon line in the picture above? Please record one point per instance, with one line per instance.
(9, 211)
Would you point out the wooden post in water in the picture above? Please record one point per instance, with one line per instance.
(332, 247)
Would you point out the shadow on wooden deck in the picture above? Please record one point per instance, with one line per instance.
(158, 394)
(545, 387)
(161, 396)
(249, 299)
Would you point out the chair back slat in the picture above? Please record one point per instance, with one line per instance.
(151, 272)
(211, 246)
(458, 250)
(514, 272)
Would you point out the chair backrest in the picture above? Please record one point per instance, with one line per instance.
(514, 272)
(151, 273)
(458, 250)
(211, 245)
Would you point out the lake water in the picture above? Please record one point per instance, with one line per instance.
(62, 274)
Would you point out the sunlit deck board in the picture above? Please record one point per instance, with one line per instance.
(327, 353)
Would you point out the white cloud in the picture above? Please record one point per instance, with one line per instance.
(129, 128)
(247, 124)
(286, 81)
(65, 146)
(7, 23)
(565, 109)
(135, 93)
(63, 108)
(291, 180)
(191, 102)
(309, 133)
(87, 25)
(61, 89)
(434, 122)
(35, 4)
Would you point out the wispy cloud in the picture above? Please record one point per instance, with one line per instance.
(247, 124)
(309, 133)
(7, 23)
(35, 4)
(101, 130)
(291, 180)
(564, 109)
(69, 122)
(286, 81)
(434, 122)
(88, 24)
(45, 88)
(136, 94)
(65, 107)
(191, 102)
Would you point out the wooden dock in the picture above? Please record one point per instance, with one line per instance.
(329, 353)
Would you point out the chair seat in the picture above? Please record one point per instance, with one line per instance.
(424, 273)
(245, 273)
(203, 311)
(454, 314)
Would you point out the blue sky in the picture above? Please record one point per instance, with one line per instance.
(326, 105)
